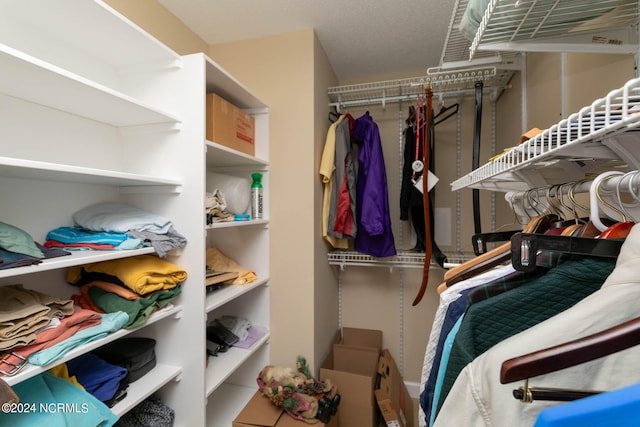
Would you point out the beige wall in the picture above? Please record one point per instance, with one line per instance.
(325, 276)
(155, 19)
(291, 73)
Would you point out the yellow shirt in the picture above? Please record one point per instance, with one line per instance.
(327, 166)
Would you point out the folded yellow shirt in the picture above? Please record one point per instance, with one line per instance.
(142, 274)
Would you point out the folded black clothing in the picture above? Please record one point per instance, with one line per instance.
(135, 354)
(219, 334)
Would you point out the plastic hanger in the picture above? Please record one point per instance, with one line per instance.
(525, 246)
(480, 240)
(595, 199)
(493, 257)
(437, 120)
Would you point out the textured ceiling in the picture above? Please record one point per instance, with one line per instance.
(362, 38)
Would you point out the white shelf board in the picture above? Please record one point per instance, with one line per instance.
(31, 79)
(89, 26)
(227, 404)
(600, 136)
(219, 81)
(219, 155)
(404, 259)
(32, 370)
(32, 169)
(230, 224)
(224, 364)
(146, 386)
(75, 258)
(221, 296)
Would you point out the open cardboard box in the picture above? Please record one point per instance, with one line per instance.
(260, 412)
(229, 125)
(352, 365)
(392, 395)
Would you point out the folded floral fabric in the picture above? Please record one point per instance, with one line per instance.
(142, 274)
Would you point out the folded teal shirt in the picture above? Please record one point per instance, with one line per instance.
(111, 322)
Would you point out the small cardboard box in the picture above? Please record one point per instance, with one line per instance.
(229, 125)
(260, 412)
(392, 395)
(352, 366)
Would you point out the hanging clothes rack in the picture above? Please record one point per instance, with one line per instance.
(444, 83)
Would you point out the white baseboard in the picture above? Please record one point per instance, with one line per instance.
(413, 388)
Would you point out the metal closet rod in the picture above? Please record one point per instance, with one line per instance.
(384, 100)
(451, 83)
(625, 182)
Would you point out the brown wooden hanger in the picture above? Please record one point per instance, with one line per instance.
(572, 353)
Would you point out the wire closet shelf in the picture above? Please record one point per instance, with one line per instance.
(444, 83)
(598, 137)
(510, 25)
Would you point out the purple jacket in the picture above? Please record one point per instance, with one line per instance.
(374, 236)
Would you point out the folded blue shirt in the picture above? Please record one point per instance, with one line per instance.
(76, 235)
(98, 377)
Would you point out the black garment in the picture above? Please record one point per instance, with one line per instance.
(411, 199)
(409, 195)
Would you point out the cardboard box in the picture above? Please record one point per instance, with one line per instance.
(260, 412)
(229, 125)
(352, 365)
(392, 395)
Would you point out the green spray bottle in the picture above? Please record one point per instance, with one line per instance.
(256, 196)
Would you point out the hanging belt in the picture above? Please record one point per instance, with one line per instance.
(425, 194)
(476, 157)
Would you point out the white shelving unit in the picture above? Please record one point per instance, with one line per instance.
(94, 109)
(230, 376)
